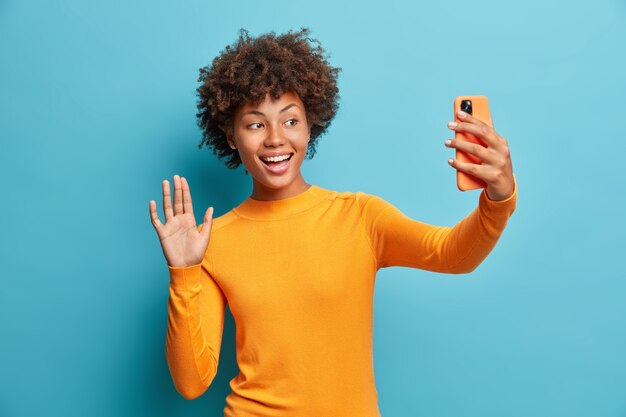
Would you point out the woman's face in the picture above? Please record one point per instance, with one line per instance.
(275, 127)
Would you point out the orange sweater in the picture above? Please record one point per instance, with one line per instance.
(298, 275)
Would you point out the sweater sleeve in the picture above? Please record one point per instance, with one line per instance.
(194, 329)
(398, 240)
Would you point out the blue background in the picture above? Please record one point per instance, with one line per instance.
(97, 107)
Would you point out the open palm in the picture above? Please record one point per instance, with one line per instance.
(183, 245)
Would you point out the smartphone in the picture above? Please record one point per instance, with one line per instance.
(477, 106)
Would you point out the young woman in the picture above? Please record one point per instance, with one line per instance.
(297, 262)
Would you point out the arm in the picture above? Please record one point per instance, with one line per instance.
(194, 329)
(398, 240)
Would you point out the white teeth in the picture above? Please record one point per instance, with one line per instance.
(276, 158)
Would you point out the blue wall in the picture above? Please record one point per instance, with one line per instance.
(97, 107)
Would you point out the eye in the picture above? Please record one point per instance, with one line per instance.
(292, 120)
(254, 124)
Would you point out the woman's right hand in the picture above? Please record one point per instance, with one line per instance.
(183, 245)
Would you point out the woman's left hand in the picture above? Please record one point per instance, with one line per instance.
(496, 168)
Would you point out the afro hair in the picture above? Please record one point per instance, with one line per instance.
(247, 70)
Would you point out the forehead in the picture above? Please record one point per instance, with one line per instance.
(270, 105)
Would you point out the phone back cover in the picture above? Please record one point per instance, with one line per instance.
(480, 110)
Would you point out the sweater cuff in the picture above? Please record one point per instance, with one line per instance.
(184, 277)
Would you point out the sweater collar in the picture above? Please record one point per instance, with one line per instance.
(279, 209)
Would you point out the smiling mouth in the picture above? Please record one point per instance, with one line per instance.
(275, 164)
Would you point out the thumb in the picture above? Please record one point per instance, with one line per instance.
(208, 221)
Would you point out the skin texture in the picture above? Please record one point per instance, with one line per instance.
(271, 130)
(497, 168)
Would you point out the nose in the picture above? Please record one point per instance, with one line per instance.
(274, 137)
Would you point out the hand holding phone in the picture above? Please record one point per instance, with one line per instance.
(483, 156)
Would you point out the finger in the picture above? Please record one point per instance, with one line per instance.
(154, 215)
(484, 154)
(178, 196)
(187, 205)
(464, 117)
(476, 127)
(476, 170)
(208, 221)
(167, 201)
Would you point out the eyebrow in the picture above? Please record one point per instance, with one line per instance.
(262, 114)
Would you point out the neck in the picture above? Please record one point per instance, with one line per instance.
(263, 193)
(284, 208)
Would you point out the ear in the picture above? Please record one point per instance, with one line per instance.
(229, 136)
(231, 142)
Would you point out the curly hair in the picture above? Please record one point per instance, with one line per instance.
(247, 70)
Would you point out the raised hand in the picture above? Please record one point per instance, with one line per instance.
(496, 168)
(183, 245)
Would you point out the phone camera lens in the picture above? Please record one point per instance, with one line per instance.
(466, 106)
